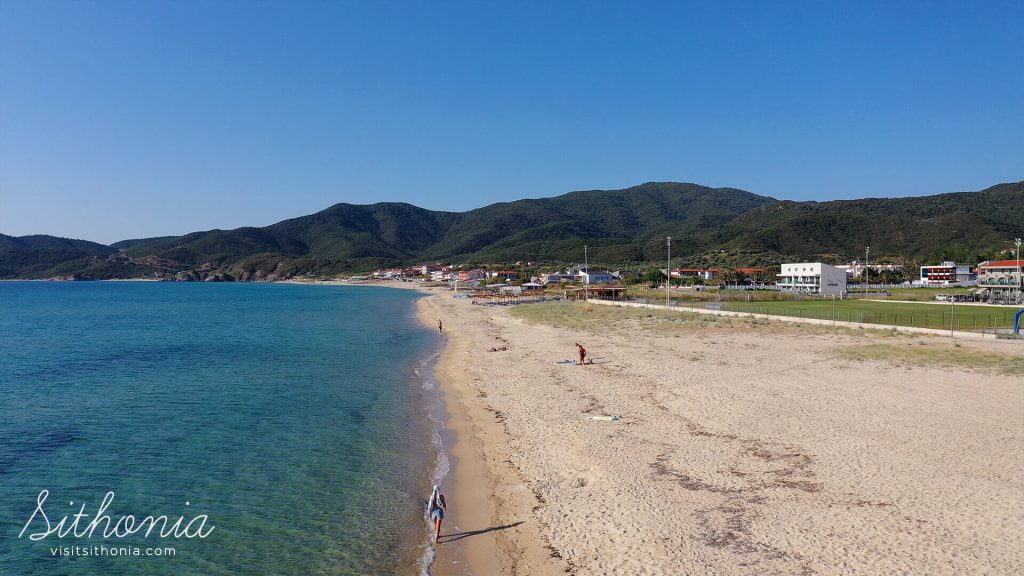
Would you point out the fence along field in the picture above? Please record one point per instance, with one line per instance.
(922, 315)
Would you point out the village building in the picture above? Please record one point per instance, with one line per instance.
(1000, 281)
(442, 275)
(590, 277)
(701, 273)
(750, 275)
(812, 278)
(472, 275)
(390, 273)
(948, 274)
(558, 278)
(506, 275)
(856, 268)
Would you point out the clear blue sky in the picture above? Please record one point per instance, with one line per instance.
(132, 119)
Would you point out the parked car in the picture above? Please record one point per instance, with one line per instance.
(956, 298)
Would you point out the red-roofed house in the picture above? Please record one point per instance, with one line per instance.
(470, 275)
(703, 273)
(1000, 280)
(505, 275)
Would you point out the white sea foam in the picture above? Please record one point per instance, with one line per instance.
(434, 408)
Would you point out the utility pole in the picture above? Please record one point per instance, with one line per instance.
(867, 251)
(1017, 242)
(952, 311)
(668, 275)
(586, 284)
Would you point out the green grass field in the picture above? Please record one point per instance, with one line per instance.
(921, 294)
(926, 314)
(714, 294)
(883, 313)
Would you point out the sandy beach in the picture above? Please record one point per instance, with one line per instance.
(742, 448)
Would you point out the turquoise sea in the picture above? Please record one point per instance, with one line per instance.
(291, 416)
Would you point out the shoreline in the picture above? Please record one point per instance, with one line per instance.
(430, 460)
(491, 519)
(706, 444)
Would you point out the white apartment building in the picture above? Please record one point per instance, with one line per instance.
(812, 278)
(857, 268)
(590, 277)
(948, 274)
(558, 277)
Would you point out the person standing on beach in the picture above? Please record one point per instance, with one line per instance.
(583, 353)
(439, 326)
(437, 507)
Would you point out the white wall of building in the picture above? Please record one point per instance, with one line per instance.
(812, 278)
(596, 278)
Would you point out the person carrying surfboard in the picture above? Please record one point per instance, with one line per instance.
(436, 508)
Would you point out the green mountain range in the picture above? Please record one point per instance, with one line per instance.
(621, 227)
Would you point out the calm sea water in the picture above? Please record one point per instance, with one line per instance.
(285, 413)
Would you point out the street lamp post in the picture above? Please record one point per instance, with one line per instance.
(668, 275)
(867, 269)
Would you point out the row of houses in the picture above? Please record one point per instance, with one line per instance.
(476, 275)
(997, 281)
(445, 273)
(712, 273)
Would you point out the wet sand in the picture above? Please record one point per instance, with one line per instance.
(488, 527)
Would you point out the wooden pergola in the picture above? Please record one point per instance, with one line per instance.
(600, 292)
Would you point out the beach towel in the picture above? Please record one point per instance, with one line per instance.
(565, 362)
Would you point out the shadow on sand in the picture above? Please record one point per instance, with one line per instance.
(461, 535)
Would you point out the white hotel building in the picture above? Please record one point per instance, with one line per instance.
(812, 278)
(1001, 280)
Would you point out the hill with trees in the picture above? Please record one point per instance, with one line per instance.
(623, 227)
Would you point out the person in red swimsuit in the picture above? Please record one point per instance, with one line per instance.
(583, 353)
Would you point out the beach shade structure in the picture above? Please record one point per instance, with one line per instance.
(597, 292)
